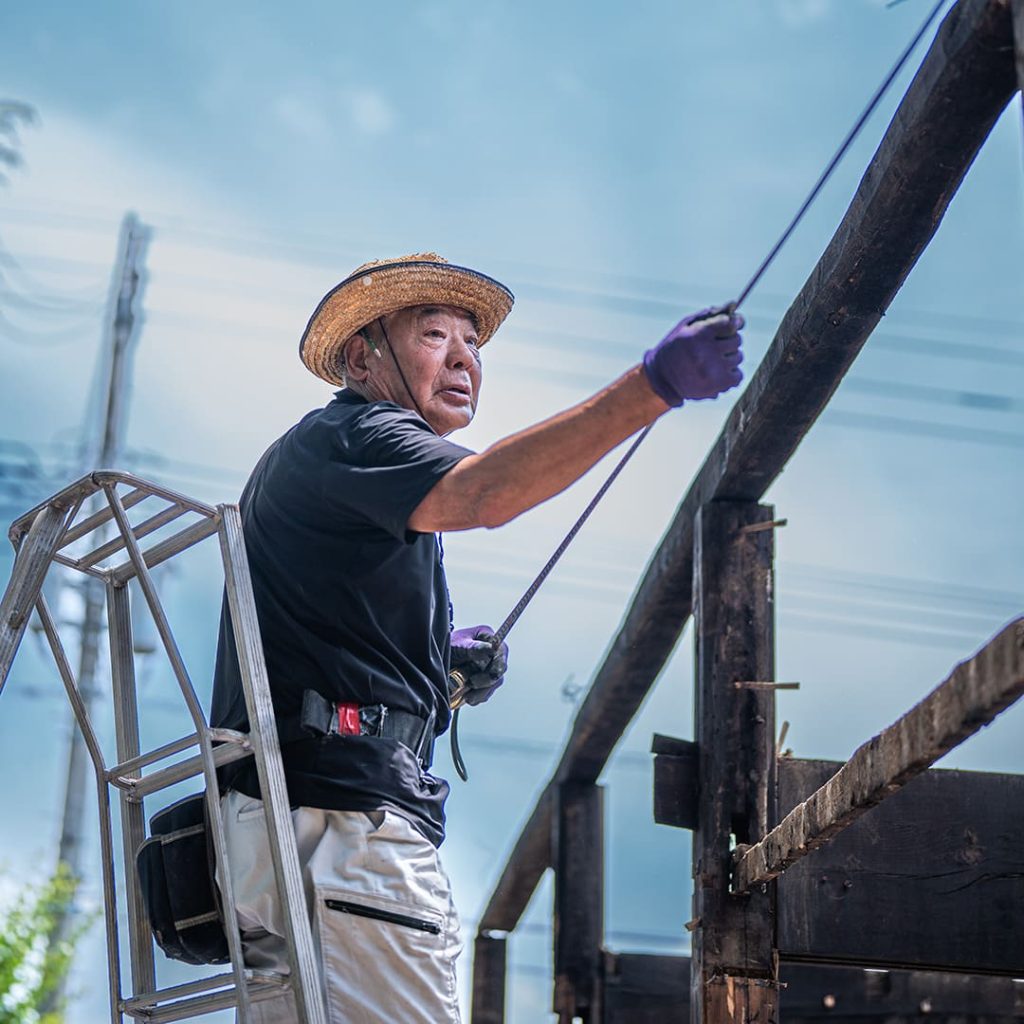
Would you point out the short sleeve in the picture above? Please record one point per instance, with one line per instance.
(384, 461)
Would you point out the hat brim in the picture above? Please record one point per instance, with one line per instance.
(368, 294)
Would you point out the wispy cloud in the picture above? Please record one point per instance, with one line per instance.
(300, 117)
(798, 13)
(371, 113)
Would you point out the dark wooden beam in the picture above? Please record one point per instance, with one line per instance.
(735, 970)
(933, 878)
(579, 902)
(642, 988)
(676, 781)
(819, 995)
(976, 691)
(963, 84)
(490, 968)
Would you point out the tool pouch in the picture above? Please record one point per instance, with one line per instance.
(175, 868)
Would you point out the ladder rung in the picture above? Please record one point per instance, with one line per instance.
(166, 549)
(141, 787)
(103, 516)
(174, 747)
(219, 735)
(72, 563)
(152, 756)
(208, 994)
(162, 518)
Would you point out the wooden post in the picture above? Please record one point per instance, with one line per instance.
(579, 902)
(734, 978)
(489, 971)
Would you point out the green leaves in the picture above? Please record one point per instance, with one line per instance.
(30, 968)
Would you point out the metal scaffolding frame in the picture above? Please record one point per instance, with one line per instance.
(71, 529)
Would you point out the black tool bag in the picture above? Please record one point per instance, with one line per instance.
(176, 875)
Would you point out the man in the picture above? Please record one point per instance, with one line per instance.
(341, 517)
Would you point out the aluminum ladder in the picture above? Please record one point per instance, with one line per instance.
(72, 528)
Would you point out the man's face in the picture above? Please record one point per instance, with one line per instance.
(436, 347)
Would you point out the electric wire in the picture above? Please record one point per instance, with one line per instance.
(659, 305)
(844, 146)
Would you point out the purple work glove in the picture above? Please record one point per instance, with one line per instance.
(699, 358)
(474, 654)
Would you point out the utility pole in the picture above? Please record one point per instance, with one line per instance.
(122, 329)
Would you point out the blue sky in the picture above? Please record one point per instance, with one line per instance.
(617, 166)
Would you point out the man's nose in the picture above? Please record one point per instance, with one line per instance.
(460, 354)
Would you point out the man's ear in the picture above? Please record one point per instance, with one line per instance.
(356, 352)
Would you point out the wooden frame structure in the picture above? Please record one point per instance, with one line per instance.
(712, 564)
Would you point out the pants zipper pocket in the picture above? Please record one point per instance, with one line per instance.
(361, 910)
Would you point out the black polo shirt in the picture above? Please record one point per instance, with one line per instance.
(350, 602)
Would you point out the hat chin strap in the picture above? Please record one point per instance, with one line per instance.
(401, 372)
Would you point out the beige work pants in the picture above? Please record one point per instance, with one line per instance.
(384, 925)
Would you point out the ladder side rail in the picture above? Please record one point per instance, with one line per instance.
(33, 556)
(78, 706)
(133, 818)
(263, 736)
(73, 496)
(138, 564)
(111, 478)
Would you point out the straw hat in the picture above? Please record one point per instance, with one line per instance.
(383, 286)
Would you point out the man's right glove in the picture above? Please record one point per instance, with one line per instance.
(699, 358)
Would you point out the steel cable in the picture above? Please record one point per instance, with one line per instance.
(458, 694)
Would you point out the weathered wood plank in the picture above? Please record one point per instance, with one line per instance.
(735, 972)
(490, 968)
(975, 692)
(646, 989)
(932, 878)
(963, 84)
(579, 901)
(676, 781)
(819, 995)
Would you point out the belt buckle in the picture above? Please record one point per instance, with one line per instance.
(372, 718)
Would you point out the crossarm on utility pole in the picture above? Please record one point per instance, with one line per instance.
(975, 692)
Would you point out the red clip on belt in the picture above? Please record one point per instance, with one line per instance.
(348, 719)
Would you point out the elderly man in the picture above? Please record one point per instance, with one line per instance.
(341, 518)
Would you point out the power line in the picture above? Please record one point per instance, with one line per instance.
(921, 428)
(666, 303)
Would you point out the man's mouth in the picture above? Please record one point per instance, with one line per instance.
(457, 392)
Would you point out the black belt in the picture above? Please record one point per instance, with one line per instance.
(322, 717)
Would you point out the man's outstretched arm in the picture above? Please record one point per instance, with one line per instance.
(699, 358)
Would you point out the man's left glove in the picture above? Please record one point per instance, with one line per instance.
(481, 663)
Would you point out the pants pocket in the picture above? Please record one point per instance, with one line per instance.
(384, 960)
(419, 921)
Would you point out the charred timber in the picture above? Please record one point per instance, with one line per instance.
(966, 79)
(976, 691)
